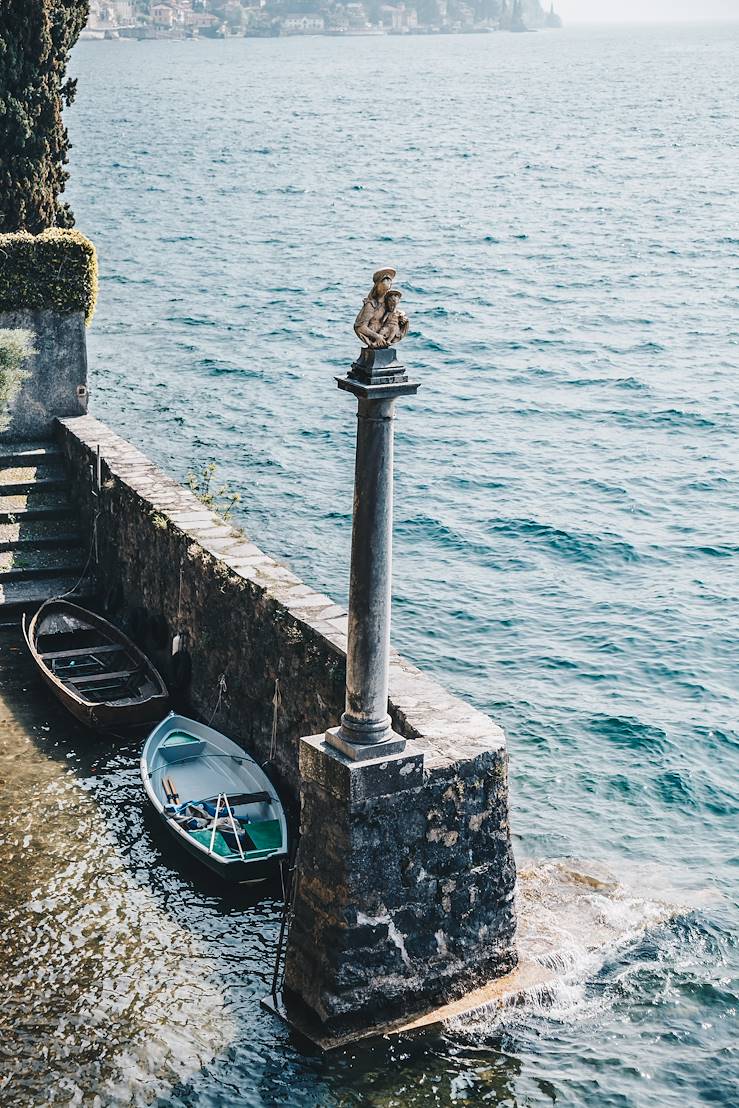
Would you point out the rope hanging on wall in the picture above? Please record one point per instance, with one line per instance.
(222, 691)
(276, 705)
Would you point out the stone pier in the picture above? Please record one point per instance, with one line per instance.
(405, 877)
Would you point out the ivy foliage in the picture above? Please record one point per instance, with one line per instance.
(57, 269)
(16, 348)
(36, 37)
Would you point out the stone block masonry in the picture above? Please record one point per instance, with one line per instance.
(404, 885)
(405, 877)
(169, 565)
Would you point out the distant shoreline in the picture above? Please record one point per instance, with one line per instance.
(163, 36)
(92, 36)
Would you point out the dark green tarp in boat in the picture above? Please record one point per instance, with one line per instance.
(265, 835)
(220, 846)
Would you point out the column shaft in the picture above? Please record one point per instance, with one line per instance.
(366, 718)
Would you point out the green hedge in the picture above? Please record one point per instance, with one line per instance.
(57, 269)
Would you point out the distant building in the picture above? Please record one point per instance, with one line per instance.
(108, 15)
(201, 21)
(397, 17)
(356, 17)
(308, 23)
(162, 16)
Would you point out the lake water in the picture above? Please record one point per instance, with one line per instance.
(562, 211)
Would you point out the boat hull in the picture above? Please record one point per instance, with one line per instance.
(218, 767)
(238, 873)
(108, 715)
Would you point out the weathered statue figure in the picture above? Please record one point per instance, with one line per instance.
(373, 321)
(394, 326)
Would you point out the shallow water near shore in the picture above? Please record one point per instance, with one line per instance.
(561, 209)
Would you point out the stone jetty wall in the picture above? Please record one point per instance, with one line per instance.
(405, 872)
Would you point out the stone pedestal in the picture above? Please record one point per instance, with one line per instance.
(346, 958)
(57, 381)
(404, 887)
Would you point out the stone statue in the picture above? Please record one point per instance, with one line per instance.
(394, 326)
(379, 323)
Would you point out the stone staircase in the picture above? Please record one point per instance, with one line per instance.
(42, 550)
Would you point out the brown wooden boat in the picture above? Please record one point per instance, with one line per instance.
(96, 671)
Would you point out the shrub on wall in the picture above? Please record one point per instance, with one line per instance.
(57, 269)
(16, 347)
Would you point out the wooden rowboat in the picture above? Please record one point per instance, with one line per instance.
(214, 799)
(93, 668)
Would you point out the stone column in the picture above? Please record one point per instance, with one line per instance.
(377, 379)
(404, 877)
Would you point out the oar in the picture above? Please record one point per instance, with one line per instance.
(174, 796)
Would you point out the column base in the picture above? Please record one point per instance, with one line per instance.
(363, 752)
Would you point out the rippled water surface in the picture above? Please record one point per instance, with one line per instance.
(562, 212)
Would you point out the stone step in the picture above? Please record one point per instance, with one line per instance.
(32, 471)
(34, 505)
(28, 453)
(33, 485)
(22, 565)
(37, 534)
(17, 597)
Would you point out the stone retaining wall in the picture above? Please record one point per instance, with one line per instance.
(57, 381)
(405, 891)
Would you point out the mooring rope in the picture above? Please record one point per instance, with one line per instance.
(92, 552)
(222, 690)
(276, 705)
(288, 908)
(178, 631)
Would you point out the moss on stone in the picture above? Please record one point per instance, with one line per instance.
(57, 269)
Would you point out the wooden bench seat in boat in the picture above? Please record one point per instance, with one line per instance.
(81, 651)
(107, 678)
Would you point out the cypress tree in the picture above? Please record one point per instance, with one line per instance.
(36, 37)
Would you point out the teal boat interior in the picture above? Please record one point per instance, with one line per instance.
(213, 792)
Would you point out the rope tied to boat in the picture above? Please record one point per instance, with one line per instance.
(289, 887)
(92, 556)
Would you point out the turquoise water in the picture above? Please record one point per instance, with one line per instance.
(562, 212)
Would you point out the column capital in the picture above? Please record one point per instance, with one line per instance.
(378, 375)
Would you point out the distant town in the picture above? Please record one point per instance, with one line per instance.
(182, 19)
